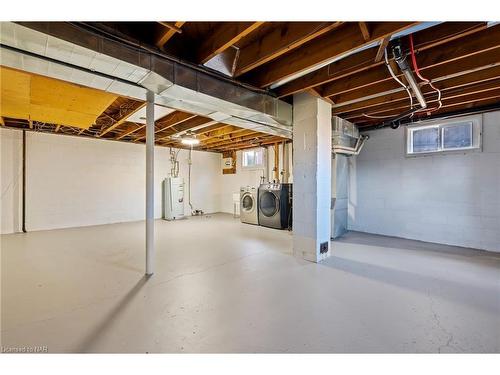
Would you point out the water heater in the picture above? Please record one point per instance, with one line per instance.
(173, 198)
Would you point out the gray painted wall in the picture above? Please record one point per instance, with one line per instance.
(449, 198)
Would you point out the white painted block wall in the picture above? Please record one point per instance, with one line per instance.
(10, 180)
(76, 181)
(448, 198)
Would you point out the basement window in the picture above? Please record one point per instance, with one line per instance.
(253, 158)
(444, 136)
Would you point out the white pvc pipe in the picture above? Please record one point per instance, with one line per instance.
(150, 141)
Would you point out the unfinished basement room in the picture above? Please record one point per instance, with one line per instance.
(250, 186)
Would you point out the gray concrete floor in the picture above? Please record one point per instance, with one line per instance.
(223, 286)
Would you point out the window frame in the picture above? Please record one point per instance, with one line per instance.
(255, 166)
(444, 126)
(476, 130)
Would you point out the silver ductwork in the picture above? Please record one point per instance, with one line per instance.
(346, 139)
(65, 51)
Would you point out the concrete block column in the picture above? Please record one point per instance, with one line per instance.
(312, 144)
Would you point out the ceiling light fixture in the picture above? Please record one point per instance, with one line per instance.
(189, 139)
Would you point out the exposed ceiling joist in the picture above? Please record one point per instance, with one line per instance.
(321, 50)
(167, 122)
(225, 136)
(444, 85)
(132, 129)
(184, 126)
(371, 58)
(245, 145)
(365, 31)
(135, 107)
(223, 37)
(170, 31)
(242, 136)
(381, 49)
(279, 41)
(460, 98)
(377, 85)
(453, 52)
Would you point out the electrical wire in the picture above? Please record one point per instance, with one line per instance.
(398, 81)
(427, 81)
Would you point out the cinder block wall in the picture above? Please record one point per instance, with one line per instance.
(75, 181)
(451, 199)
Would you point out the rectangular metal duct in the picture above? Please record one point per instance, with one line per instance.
(65, 51)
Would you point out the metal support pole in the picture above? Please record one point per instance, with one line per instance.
(150, 141)
(24, 182)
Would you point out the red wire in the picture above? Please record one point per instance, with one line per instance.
(417, 70)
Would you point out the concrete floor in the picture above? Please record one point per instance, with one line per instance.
(223, 286)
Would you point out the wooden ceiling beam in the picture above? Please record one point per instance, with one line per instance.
(224, 36)
(262, 139)
(264, 143)
(445, 85)
(218, 133)
(365, 60)
(478, 93)
(455, 108)
(227, 135)
(365, 31)
(436, 73)
(255, 142)
(165, 123)
(321, 50)
(135, 107)
(131, 130)
(202, 133)
(381, 49)
(184, 126)
(483, 41)
(170, 31)
(213, 134)
(244, 136)
(280, 41)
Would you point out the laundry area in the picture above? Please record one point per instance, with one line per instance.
(277, 187)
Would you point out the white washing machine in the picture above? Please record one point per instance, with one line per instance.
(248, 205)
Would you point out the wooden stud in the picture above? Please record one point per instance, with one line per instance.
(383, 86)
(169, 33)
(131, 131)
(365, 60)
(460, 98)
(365, 31)
(121, 120)
(483, 42)
(224, 36)
(184, 125)
(279, 41)
(327, 47)
(174, 28)
(381, 49)
(445, 84)
(169, 121)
